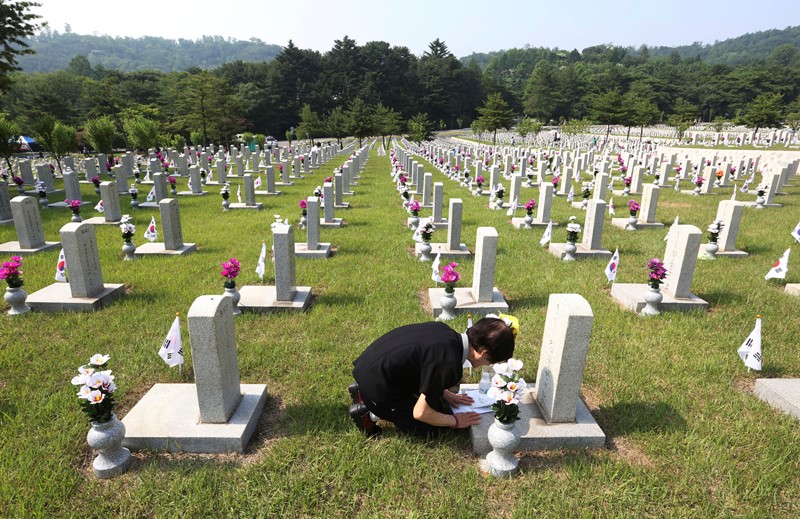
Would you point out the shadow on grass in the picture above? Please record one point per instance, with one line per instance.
(528, 301)
(558, 459)
(718, 298)
(629, 417)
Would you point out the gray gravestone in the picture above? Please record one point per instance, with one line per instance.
(46, 177)
(680, 259)
(285, 285)
(160, 185)
(593, 225)
(545, 202)
(214, 357)
(730, 212)
(196, 179)
(565, 345)
(171, 224)
(83, 260)
(5, 203)
(649, 203)
(485, 259)
(25, 172)
(427, 188)
(27, 222)
(454, 224)
(120, 180)
(72, 186)
(222, 173)
(110, 196)
(600, 186)
(312, 223)
(438, 195)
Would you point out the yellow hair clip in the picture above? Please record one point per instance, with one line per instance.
(511, 321)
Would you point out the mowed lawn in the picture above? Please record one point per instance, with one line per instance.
(686, 436)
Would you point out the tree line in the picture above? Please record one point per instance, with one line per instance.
(380, 89)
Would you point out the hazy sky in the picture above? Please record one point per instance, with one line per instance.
(466, 26)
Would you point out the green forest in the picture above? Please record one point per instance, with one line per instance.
(375, 88)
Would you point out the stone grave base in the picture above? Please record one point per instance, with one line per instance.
(441, 226)
(557, 249)
(622, 222)
(753, 204)
(191, 193)
(258, 207)
(536, 434)
(35, 193)
(6, 222)
(62, 205)
(13, 247)
(264, 299)
(337, 222)
(578, 205)
(466, 304)
(284, 183)
(631, 297)
(343, 205)
(151, 205)
(691, 192)
(781, 393)
(167, 419)
(58, 298)
(99, 220)
(619, 192)
(258, 192)
(157, 248)
(793, 289)
(301, 250)
(441, 248)
(519, 223)
(735, 253)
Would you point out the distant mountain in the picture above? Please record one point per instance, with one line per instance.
(55, 50)
(756, 46)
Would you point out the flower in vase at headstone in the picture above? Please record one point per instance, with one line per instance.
(96, 394)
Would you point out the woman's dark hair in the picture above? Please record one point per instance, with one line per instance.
(493, 336)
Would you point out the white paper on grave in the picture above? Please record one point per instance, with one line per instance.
(481, 403)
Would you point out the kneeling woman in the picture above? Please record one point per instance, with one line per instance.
(404, 376)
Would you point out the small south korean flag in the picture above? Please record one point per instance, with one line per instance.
(61, 268)
(611, 268)
(796, 233)
(778, 270)
(548, 234)
(151, 233)
(99, 207)
(750, 350)
(152, 194)
(171, 349)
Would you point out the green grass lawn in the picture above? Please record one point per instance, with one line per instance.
(686, 435)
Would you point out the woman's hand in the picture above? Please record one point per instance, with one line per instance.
(464, 420)
(457, 399)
